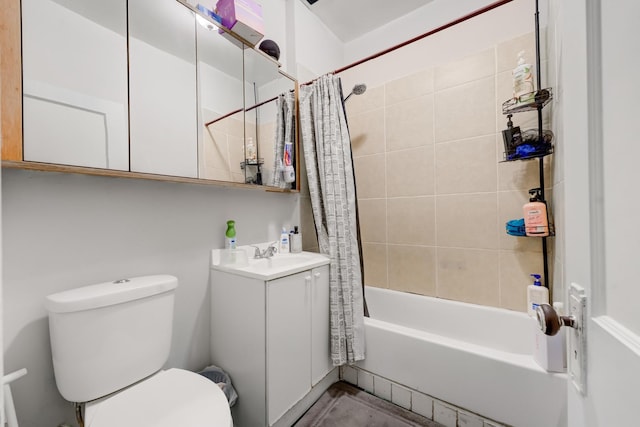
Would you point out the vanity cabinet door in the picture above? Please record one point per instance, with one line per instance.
(321, 363)
(288, 342)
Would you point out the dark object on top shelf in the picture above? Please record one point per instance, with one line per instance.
(540, 99)
(270, 48)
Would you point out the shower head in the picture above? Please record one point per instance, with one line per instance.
(358, 89)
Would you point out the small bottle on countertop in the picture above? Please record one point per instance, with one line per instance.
(284, 241)
(230, 235)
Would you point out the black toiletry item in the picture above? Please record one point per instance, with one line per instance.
(512, 137)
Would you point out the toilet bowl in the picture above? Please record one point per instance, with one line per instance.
(109, 343)
(170, 398)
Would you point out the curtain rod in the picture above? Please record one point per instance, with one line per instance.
(421, 36)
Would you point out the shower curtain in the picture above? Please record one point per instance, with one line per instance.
(285, 132)
(327, 153)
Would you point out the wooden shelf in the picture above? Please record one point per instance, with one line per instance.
(48, 167)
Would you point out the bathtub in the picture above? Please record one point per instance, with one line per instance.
(475, 357)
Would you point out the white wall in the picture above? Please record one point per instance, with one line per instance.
(62, 231)
(452, 44)
(428, 17)
(318, 50)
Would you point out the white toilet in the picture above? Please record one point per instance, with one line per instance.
(109, 343)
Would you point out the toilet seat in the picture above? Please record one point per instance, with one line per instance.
(170, 398)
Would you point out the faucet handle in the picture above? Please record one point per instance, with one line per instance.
(256, 253)
(270, 251)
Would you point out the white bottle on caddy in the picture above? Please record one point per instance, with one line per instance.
(536, 295)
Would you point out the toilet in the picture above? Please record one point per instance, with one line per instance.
(109, 343)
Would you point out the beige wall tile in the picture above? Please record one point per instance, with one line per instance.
(367, 132)
(215, 149)
(370, 182)
(522, 174)
(466, 166)
(465, 70)
(371, 99)
(466, 111)
(409, 87)
(375, 264)
(410, 172)
(236, 155)
(409, 124)
(468, 275)
(467, 221)
(411, 220)
(507, 52)
(235, 125)
(515, 268)
(412, 269)
(510, 205)
(217, 174)
(373, 220)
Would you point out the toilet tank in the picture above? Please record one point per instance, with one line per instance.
(107, 336)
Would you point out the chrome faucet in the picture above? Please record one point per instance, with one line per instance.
(267, 253)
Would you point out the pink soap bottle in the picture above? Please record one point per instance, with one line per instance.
(536, 221)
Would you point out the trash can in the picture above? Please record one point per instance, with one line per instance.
(220, 377)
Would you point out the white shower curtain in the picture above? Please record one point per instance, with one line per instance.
(327, 153)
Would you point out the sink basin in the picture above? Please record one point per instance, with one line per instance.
(279, 265)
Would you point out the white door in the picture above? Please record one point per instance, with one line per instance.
(596, 46)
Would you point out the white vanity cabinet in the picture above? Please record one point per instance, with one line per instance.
(272, 337)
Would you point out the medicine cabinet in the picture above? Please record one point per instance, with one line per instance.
(130, 88)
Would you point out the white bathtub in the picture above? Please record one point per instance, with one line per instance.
(474, 357)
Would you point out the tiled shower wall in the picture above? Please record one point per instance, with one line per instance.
(433, 195)
(223, 147)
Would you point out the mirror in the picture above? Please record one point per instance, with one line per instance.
(147, 89)
(75, 88)
(239, 111)
(269, 121)
(220, 106)
(162, 86)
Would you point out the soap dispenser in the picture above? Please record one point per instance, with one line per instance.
(536, 295)
(536, 221)
(523, 80)
(230, 235)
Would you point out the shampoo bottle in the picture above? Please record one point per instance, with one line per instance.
(536, 295)
(536, 221)
(523, 80)
(284, 241)
(230, 235)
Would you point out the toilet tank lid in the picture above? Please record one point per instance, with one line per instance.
(109, 293)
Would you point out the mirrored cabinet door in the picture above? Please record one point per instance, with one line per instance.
(75, 82)
(220, 100)
(270, 131)
(162, 75)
